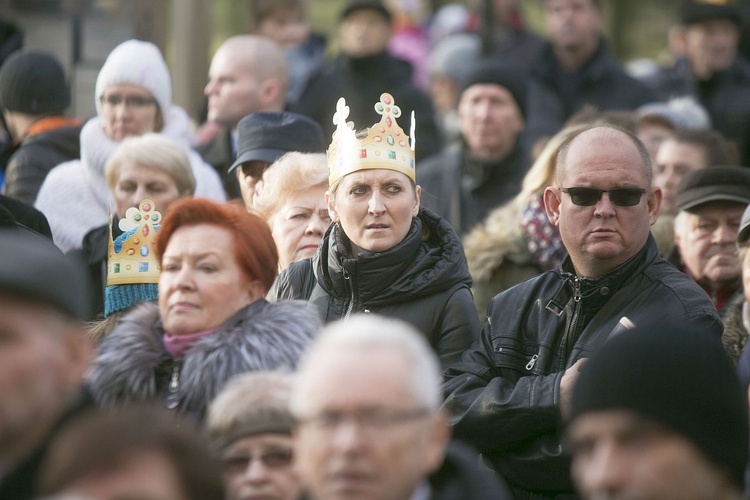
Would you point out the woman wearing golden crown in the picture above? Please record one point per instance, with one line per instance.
(384, 253)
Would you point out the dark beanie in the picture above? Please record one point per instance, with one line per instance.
(678, 376)
(506, 75)
(33, 82)
(355, 5)
(699, 11)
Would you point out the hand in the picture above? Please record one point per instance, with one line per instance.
(568, 381)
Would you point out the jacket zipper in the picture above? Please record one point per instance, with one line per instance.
(573, 325)
(173, 388)
(350, 306)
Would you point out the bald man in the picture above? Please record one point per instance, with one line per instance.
(248, 74)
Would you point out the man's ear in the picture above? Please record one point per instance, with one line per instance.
(439, 437)
(332, 212)
(654, 196)
(552, 204)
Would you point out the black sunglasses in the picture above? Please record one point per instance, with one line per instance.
(587, 197)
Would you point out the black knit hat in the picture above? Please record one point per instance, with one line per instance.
(33, 268)
(698, 11)
(506, 75)
(33, 82)
(713, 184)
(676, 375)
(376, 5)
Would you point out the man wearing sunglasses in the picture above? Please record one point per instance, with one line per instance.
(510, 392)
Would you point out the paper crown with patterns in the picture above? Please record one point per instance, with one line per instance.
(384, 145)
(131, 258)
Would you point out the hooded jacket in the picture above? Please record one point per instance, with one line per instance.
(505, 393)
(423, 280)
(132, 363)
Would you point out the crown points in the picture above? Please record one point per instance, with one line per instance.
(380, 146)
(130, 257)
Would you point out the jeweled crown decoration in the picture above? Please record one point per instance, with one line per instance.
(383, 145)
(131, 257)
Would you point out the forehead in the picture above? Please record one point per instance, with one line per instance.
(191, 239)
(603, 154)
(127, 89)
(368, 16)
(686, 152)
(606, 424)
(486, 91)
(558, 4)
(232, 60)
(374, 176)
(375, 376)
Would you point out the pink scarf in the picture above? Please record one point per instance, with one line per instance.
(177, 344)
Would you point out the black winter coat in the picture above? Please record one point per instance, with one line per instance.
(504, 394)
(424, 280)
(464, 191)
(602, 84)
(35, 156)
(726, 98)
(361, 81)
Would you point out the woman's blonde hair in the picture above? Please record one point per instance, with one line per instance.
(289, 174)
(155, 151)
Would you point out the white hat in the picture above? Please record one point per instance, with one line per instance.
(136, 63)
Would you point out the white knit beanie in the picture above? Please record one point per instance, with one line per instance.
(136, 63)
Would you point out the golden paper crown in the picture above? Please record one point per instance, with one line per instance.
(384, 145)
(131, 258)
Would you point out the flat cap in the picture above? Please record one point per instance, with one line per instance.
(724, 183)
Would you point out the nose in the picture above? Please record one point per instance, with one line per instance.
(347, 437)
(256, 472)
(183, 279)
(376, 205)
(605, 474)
(210, 87)
(724, 235)
(604, 207)
(316, 225)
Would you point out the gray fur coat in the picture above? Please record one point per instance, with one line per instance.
(132, 363)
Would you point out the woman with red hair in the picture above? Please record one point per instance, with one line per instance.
(211, 322)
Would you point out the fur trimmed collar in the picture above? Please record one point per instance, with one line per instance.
(132, 364)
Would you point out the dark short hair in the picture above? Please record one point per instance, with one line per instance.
(712, 142)
(261, 9)
(254, 247)
(101, 440)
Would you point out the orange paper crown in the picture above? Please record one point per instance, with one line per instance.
(384, 145)
(131, 258)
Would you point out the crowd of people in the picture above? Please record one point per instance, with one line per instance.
(437, 265)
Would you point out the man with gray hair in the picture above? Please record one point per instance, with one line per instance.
(367, 401)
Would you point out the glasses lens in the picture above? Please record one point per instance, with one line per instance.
(626, 197)
(584, 197)
(622, 197)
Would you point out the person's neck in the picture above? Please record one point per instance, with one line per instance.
(573, 58)
(703, 71)
(497, 154)
(18, 124)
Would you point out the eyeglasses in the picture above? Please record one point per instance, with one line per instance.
(278, 459)
(587, 197)
(131, 101)
(369, 421)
